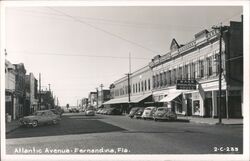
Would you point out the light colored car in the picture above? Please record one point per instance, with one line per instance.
(148, 113)
(39, 118)
(164, 113)
(89, 112)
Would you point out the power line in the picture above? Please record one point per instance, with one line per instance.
(101, 20)
(34, 53)
(104, 31)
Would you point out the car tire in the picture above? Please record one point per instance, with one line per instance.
(155, 120)
(34, 123)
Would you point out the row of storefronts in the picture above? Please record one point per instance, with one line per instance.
(198, 61)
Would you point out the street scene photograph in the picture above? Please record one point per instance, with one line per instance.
(123, 80)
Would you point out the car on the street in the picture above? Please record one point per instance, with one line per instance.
(133, 111)
(39, 118)
(89, 112)
(148, 113)
(113, 111)
(164, 113)
(57, 112)
(139, 113)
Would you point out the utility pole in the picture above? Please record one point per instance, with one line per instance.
(102, 95)
(97, 97)
(221, 28)
(39, 91)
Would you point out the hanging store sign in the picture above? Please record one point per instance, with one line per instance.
(186, 84)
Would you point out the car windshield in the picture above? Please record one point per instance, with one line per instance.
(134, 109)
(162, 109)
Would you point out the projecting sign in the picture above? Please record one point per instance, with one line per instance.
(186, 84)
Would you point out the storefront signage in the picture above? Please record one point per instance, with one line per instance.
(186, 84)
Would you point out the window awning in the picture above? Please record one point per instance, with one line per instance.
(170, 97)
(133, 99)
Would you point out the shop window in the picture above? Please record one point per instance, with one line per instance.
(196, 107)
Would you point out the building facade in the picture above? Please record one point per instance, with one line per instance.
(31, 93)
(198, 60)
(132, 90)
(20, 91)
(10, 83)
(92, 99)
(103, 96)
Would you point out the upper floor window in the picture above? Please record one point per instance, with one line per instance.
(201, 65)
(142, 86)
(209, 66)
(148, 84)
(145, 85)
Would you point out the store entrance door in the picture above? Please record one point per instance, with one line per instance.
(189, 107)
(208, 107)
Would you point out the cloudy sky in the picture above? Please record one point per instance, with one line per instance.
(77, 48)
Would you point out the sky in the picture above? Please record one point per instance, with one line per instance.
(78, 48)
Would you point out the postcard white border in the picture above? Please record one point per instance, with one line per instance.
(246, 106)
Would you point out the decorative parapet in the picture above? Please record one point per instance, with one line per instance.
(206, 37)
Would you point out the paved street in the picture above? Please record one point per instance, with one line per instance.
(79, 134)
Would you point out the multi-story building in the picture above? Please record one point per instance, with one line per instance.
(10, 83)
(198, 60)
(31, 93)
(135, 93)
(92, 99)
(20, 90)
(103, 96)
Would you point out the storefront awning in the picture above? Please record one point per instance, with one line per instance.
(133, 99)
(137, 99)
(170, 97)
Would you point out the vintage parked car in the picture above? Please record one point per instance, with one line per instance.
(164, 113)
(89, 112)
(57, 112)
(133, 111)
(139, 113)
(148, 113)
(39, 118)
(114, 111)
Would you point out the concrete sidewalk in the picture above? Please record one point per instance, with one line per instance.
(213, 121)
(11, 126)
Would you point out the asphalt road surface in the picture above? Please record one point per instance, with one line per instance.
(79, 134)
